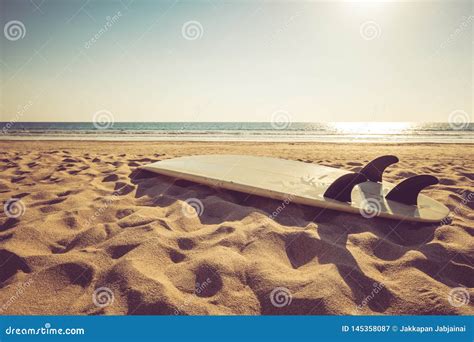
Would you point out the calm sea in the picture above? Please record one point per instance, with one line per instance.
(241, 131)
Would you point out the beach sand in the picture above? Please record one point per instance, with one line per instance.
(98, 237)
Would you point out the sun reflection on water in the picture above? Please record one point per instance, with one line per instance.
(371, 127)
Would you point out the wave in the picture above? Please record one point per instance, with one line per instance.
(429, 132)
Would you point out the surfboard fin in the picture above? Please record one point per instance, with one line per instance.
(407, 191)
(375, 168)
(341, 188)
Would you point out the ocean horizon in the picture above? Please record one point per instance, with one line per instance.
(398, 132)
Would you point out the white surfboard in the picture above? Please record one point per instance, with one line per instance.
(308, 184)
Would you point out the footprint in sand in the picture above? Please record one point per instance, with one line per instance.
(122, 213)
(65, 193)
(65, 283)
(32, 164)
(119, 251)
(9, 224)
(10, 264)
(17, 179)
(208, 281)
(176, 256)
(185, 243)
(110, 178)
(48, 206)
(123, 189)
(4, 188)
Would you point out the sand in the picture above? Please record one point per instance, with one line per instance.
(94, 236)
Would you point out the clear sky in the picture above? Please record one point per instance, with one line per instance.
(236, 60)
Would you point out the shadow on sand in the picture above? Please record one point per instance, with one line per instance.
(394, 240)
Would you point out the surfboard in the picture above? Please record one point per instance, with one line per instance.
(363, 192)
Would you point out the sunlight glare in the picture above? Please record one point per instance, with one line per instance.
(371, 127)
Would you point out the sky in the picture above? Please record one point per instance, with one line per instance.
(213, 60)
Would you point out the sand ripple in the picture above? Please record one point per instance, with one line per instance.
(92, 221)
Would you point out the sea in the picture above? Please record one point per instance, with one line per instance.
(395, 132)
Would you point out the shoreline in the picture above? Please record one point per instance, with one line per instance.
(243, 140)
(171, 141)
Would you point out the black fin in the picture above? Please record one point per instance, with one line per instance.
(407, 191)
(341, 188)
(374, 169)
